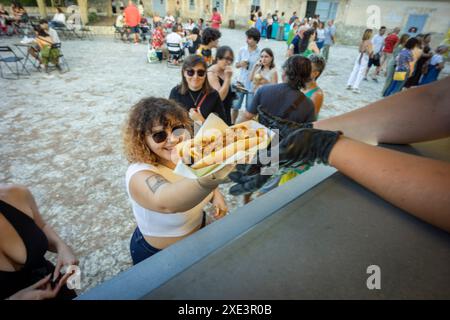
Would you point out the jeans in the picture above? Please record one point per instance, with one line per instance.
(140, 249)
(395, 86)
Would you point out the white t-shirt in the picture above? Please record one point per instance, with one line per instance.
(119, 21)
(436, 59)
(59, 17)
(54, 35)
(158, 224)
(173, 38)
(378, 42)
(321, 34)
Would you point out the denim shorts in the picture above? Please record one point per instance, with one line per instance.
(237, 104)
(140, 249)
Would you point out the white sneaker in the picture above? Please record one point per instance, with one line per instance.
(356, 90)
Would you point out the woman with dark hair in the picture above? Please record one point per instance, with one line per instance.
(320, 35)
(210, 40)
(219, 77)
(194, 93)
(421, 64)
(45, 53)
(58, 20)
(195, 40)
(167, 207)
(404, 65)
(264, 72)
(308, 44)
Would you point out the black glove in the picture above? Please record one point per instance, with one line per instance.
(303, 146)
(285, 127)
(307, 146)
(246, 184)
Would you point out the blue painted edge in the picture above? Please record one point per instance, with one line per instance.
(141, 279)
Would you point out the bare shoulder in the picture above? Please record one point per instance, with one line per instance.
(19, 196)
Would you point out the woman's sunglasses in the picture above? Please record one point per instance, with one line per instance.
(161, 136)
(201, 73)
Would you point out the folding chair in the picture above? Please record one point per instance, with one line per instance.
(7, 56)
(86, 33)
(61, 59)
(175, 54)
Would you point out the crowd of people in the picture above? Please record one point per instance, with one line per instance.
(407, 60)
(156, 125)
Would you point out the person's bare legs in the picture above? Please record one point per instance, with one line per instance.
(415, 184)
(415, 115)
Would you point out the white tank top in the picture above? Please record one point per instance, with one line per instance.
(158, 224)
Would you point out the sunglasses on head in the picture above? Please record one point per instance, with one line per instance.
(161, 136)
(201, 73)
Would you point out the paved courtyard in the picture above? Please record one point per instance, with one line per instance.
(61, 136)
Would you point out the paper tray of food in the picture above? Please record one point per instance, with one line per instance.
(216, 145)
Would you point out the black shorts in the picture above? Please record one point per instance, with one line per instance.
(374, 61)
(134, 29)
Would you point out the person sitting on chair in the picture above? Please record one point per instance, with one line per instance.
(59, 19)
(43, 50)
(174, 44)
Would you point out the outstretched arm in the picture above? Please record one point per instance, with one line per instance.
(415, 184)
(415, 115)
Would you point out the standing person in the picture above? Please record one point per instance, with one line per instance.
(141, 8)
(320, 35)
(404, 66)
(194, 93)
(210, 40)
(391, 65)
(206, 13)
(252, 21)
(259, 22)
(293, 18)
(308, 44)
(195, 40)
(374, 60)
(114, 6)
(422, 63)
(219, 77)
(330, 32)
(281, 21)
(248, 56)
(264, 72)
(361, 62)
(275, 25)
(167, 207)
(312, 89)
(269, 26)
(216, 19)
(435, 65)
(292, 33)
(132, 20)
(25, 238)
(201, 24)
(389, 44)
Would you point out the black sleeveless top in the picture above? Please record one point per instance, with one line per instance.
(228, 102)
(36, 266)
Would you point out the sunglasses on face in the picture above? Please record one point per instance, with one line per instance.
(191, 72)
(161, 136)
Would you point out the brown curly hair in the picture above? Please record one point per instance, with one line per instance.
(143, 116)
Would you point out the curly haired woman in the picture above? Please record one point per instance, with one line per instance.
(167, 207)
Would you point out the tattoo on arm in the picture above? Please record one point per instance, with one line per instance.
(154, 182)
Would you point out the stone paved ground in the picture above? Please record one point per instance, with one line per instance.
(60, 135)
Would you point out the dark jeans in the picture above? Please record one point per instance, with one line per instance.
(140, 249)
